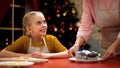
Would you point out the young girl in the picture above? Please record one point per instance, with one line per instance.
(35, 43)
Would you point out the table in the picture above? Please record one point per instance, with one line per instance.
(66, 63)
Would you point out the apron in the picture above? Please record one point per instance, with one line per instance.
(32, 49)
(108, 21)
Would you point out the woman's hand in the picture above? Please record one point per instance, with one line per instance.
(111, 52)
(72, 51)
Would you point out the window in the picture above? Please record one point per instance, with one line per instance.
(11, 26)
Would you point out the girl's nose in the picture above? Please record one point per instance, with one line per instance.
(44, 24)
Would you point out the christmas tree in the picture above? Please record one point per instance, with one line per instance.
(61, 16)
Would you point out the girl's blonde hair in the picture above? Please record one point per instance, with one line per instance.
(26, 19)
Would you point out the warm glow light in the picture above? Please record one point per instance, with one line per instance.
(58, 15)
(77, 24)
(57, 11)
(99, 54)
(55, 29)
(66, 3)
(70, 28)
(64, 14)
(49, 18)
(45, 3)
(73, 11)
(62, 31)
(62, 23)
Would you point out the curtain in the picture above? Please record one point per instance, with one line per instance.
(4, 5)
(34, 5)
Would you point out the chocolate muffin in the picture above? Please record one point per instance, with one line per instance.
(86, 55)
(80, 55)
(92, 55)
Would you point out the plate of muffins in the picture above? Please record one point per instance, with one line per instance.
(86, 56)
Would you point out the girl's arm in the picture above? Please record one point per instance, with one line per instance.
(5, 53)
(63, 54)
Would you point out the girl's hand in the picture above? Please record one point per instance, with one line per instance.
(40, 55)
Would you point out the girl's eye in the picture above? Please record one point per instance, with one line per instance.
(44, 22)
(38, 23)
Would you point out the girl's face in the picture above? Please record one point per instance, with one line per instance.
(38, 26)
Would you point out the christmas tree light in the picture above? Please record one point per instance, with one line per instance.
(62, 19)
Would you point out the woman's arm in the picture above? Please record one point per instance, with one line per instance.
(86, 27)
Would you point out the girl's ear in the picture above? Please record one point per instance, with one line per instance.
(28, 29)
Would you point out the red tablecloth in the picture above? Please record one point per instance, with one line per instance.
(66, 63)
